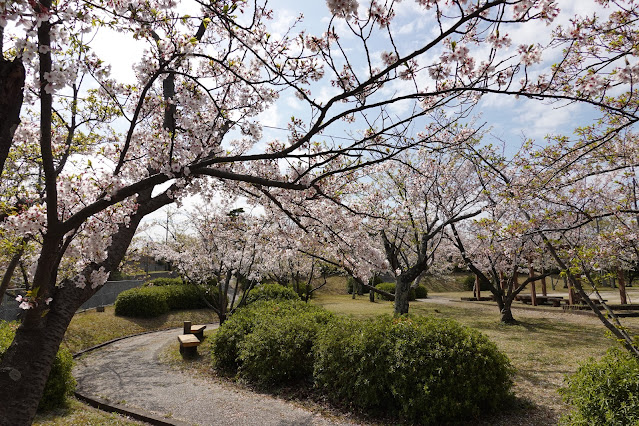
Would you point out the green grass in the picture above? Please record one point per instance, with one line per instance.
(78, 413)
(91, 328)
(543, 346)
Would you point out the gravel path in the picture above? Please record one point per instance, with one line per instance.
(129, 373)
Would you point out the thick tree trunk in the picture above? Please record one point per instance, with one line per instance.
(402, 289)
(27, 363)
(507, 315)
(12, 77)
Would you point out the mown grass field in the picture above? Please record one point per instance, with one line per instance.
(545, 345)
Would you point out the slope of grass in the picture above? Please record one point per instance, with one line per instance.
(91, 328)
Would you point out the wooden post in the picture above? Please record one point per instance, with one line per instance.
(621, 280)
(477, 287)
(187, 327)
(533, 289)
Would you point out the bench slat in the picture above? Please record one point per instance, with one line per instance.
(188, 340)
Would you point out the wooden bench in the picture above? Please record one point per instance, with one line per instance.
(188, 344)
(197, 330)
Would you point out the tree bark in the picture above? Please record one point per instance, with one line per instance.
(402, 289)
(12, 76)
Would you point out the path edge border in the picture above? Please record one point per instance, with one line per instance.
(110, 407)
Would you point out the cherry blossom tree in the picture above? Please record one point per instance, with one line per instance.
(419, 195)
(96, 154)
(221, 244)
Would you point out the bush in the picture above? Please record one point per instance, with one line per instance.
(390, 288)
(279, 348)
(142, 302)
(271, 292)
(604, 392)
(184, 296)
(421, 292)
(268, 341)
(163, 281)
(148, 302)
(423, 370)
(60, 383)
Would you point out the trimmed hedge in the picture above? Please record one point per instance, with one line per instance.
(162, 281)
(271, 292)
(423, 370)
(148, 302)
(142, 302)
(390, 288)
(269, 342)
(604, 392)
(60, 383)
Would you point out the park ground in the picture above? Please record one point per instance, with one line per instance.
(544, 346)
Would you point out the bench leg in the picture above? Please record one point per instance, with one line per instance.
(189, 352)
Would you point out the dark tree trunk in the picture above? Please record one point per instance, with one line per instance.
(402, 290)
(12, 77)
(507, 315)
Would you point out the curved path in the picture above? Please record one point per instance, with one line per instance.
(128, 374)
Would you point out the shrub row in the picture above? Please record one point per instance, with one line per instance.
(147, 302)
(422, 370)
(604, 392)
(419, 292)
(60, 383)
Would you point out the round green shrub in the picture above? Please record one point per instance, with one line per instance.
(469, 284)
(271, 292)
(421, 292)
(60, 383)
(604, 392)
(228, 350)
(390, 288)
(142, 302)
(162, 281)
(423, 370)
(279, 348)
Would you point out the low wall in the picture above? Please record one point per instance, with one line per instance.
(105, 296)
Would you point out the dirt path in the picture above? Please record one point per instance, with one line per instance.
(128, 373)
